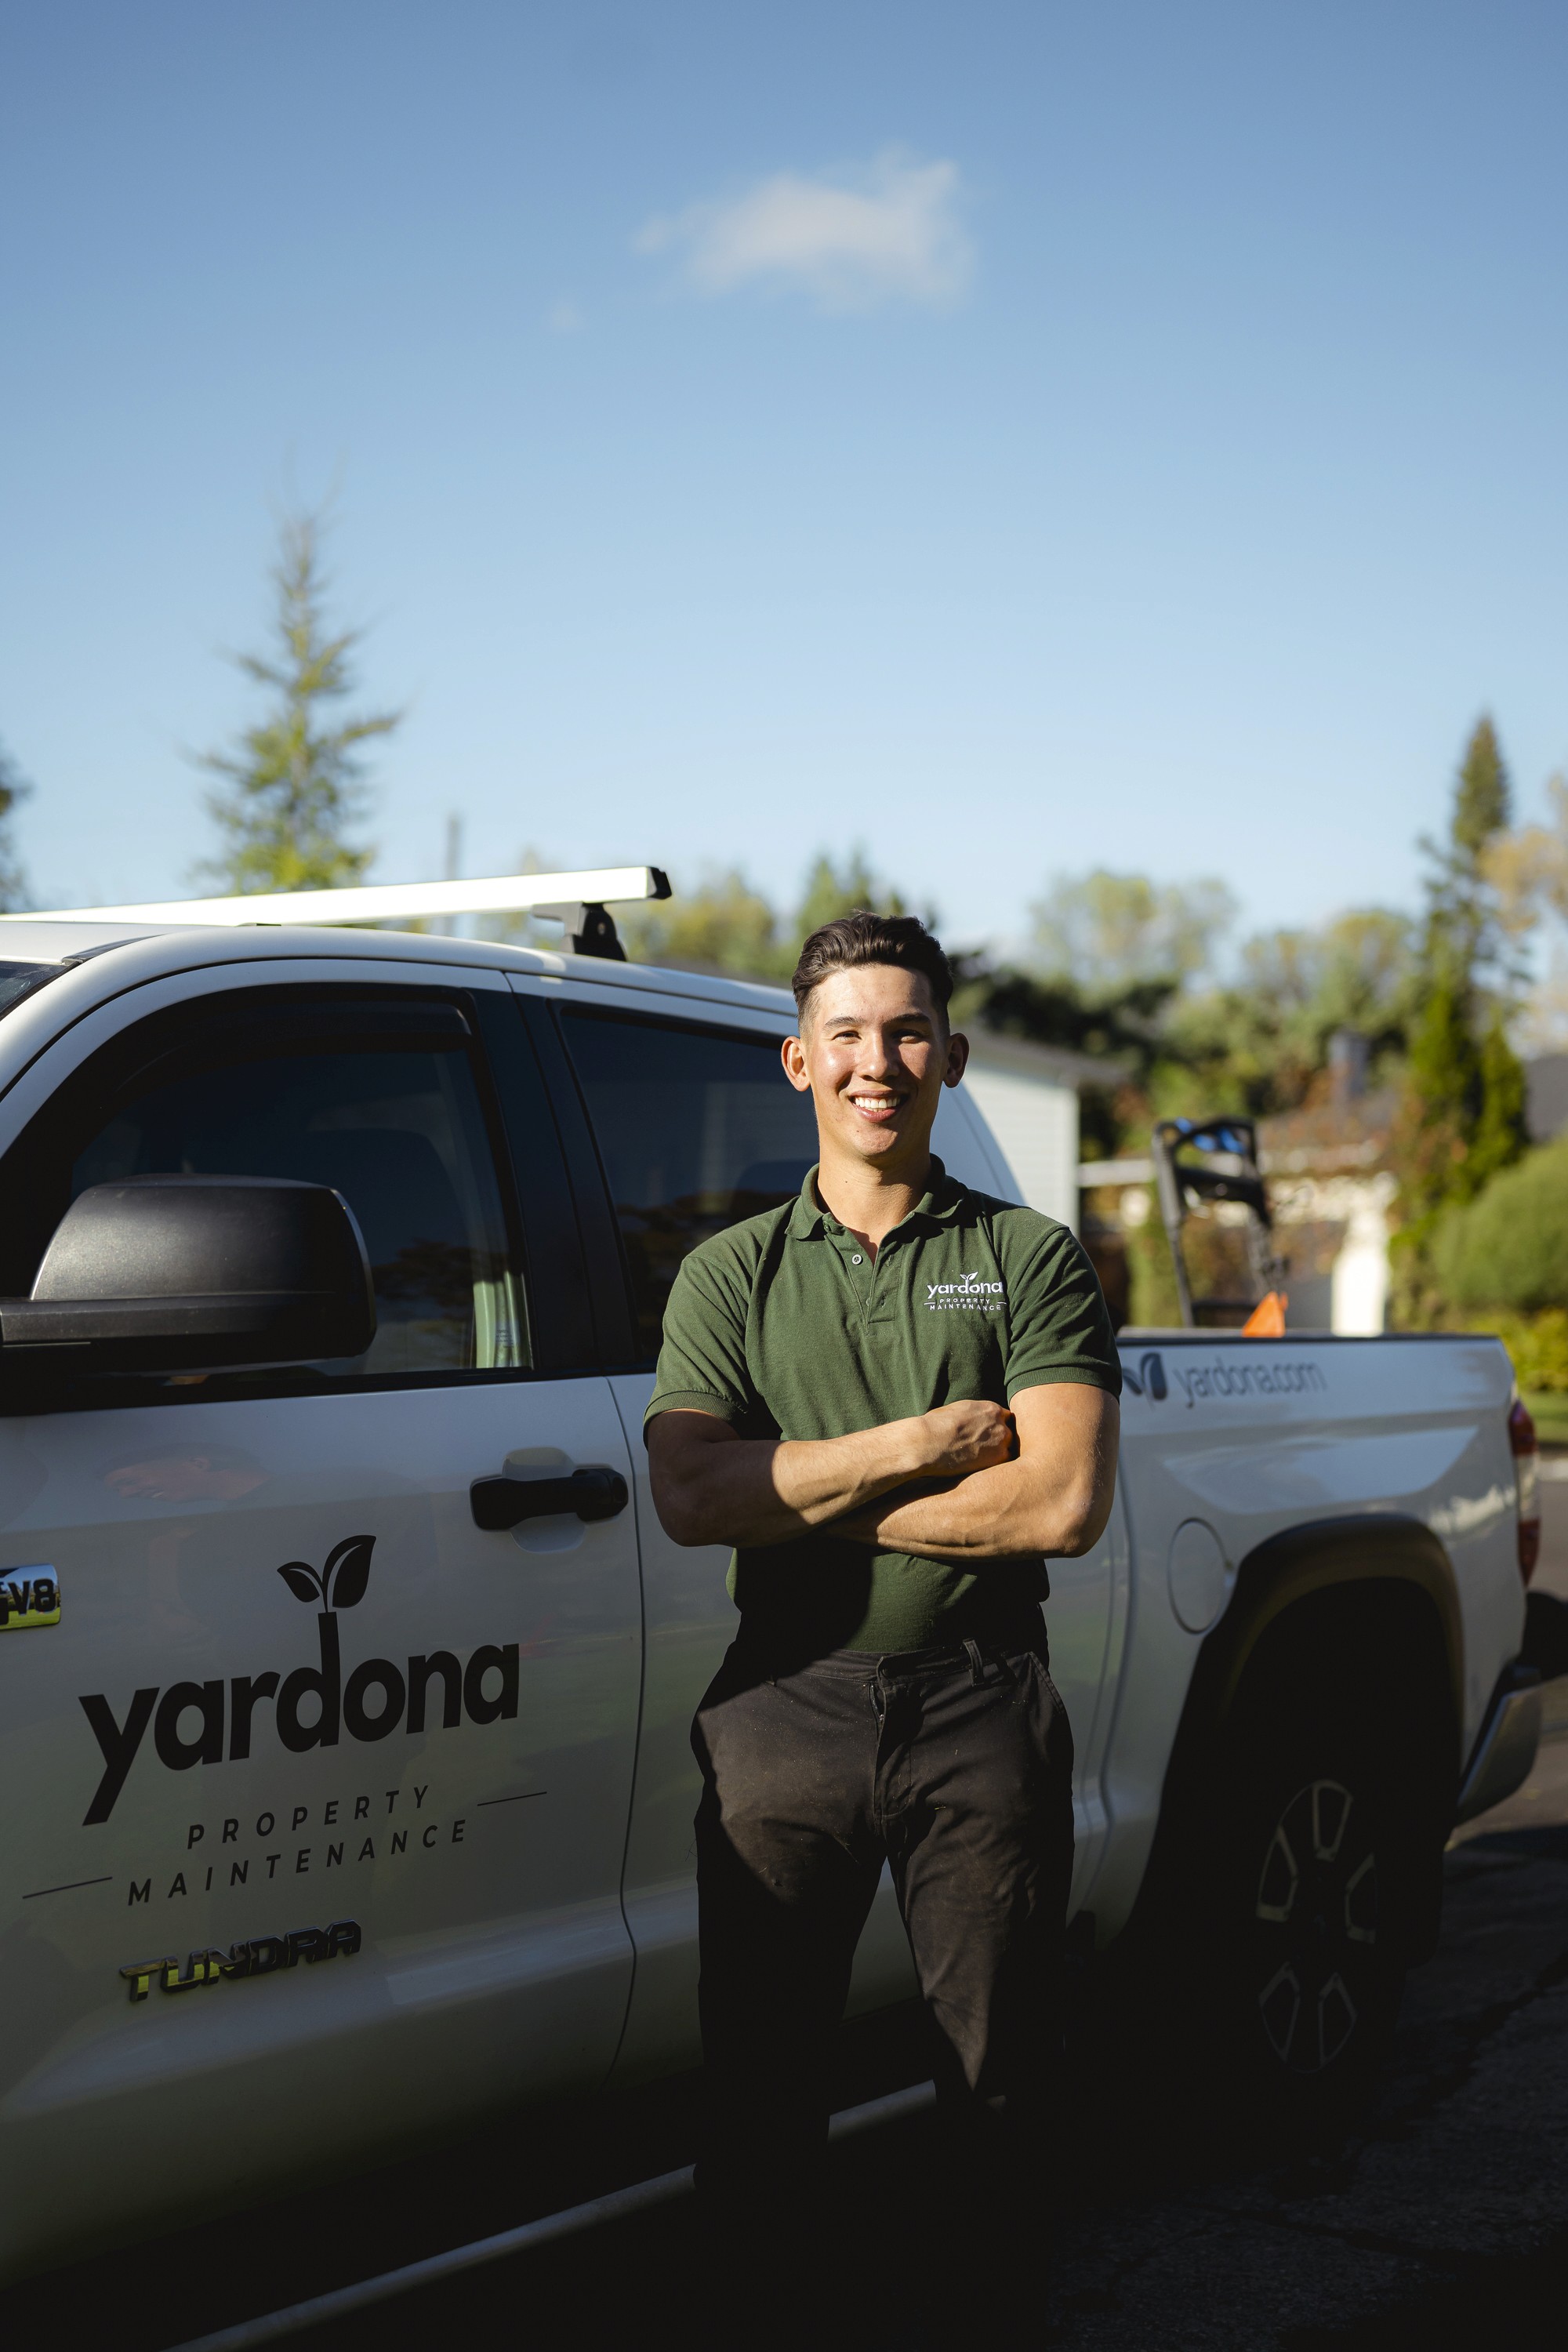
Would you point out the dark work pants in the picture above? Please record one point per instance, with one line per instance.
(953, 1766)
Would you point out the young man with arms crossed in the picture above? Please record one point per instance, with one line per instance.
(893, 1398)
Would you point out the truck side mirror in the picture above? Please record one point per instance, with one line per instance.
(162, 1274)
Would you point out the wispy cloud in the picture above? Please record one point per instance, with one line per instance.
(887, 231)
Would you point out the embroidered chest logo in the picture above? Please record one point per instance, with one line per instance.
(969, 1291)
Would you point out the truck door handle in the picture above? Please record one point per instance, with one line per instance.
(595, 1493)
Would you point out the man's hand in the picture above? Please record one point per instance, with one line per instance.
(1055, 1497)
(972, 1435)
(710, 1486)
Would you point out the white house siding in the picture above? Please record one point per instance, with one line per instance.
(1036, 1125)
(1358, 1206)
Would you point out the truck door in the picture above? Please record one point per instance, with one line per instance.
(694, 1126)
(319, 1791)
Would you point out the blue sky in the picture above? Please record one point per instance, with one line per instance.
(1018, 437)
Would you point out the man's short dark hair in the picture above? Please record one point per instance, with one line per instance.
(863, 938)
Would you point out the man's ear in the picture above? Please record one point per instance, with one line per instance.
(795, 1071)
(957, 1058)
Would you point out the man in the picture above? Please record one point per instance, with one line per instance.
(894, 1398)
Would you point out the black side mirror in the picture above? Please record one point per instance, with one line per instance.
(158, 1274)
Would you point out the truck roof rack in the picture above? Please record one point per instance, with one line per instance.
(579, 901)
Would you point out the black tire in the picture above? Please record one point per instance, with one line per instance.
(1318, 1866)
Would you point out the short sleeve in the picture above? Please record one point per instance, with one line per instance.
(702, 1359)
(1058, 1324)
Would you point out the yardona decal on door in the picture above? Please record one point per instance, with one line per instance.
(378, 1698)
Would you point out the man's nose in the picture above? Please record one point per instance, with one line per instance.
(881, 1060)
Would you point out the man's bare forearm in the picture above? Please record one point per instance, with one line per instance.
(766, 1490)
(1054, 1498)
(992, 1515)
(710, 1486)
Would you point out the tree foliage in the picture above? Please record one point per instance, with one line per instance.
(13, 789)
(293, 789)
(724, 925)
(1258, 1041)
(1509, 1247)
(1463, 1117)
(1105, 933)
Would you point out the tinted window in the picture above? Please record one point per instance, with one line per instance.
(395, 1128)
(19, 980)
(695, 1130)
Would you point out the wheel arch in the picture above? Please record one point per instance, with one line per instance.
(1333, 1563)
(1321, 1588)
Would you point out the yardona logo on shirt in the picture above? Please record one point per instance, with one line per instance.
(311, 1707)
(987, 1297)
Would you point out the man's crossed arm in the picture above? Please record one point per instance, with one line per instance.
(963, 1484)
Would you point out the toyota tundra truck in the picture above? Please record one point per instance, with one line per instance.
(346, 1671)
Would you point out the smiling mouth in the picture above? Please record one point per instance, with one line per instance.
(878, 1106)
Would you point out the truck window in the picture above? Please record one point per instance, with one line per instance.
(385, 1109)
(696, 1129)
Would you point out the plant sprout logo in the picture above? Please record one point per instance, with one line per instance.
(214, 1722)
(1149, 1379)
(345, 1575)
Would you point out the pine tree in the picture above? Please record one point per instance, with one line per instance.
(1464, 1112)
(293, 786)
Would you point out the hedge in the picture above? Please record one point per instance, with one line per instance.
(1509, 1247)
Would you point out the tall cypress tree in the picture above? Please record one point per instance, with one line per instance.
(1464, 1113)
(293, 785)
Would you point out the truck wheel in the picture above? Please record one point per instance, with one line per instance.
(1314, 1926)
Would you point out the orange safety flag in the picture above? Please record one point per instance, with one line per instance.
(1267, 1320)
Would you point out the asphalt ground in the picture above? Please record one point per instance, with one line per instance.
(1441, 2220)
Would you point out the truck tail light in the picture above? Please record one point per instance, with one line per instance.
(1527, 1470)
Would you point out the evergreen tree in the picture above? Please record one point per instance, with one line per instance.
(1464, 1112)
(14, 787)
(293, 787)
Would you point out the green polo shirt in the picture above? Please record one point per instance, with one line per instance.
(784, 1326)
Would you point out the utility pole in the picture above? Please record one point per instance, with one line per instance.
(452, 925)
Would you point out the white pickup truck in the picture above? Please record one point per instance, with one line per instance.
(345, 1671)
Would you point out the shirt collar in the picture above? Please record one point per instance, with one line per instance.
(939, 1204)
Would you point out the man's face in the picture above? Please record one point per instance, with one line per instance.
(874, 1054)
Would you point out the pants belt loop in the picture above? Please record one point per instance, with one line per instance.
(976, 1663)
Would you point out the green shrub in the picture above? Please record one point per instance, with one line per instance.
(1549, 1410)
(1508, 1248)
(1537, 1345)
